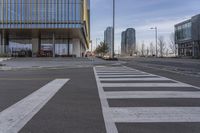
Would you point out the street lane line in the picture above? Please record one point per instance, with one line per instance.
(14, 118)
(109, 123)
(121, 76)
(24, 79)
(151, 94)
(116, 71)
(99, 74)
(145, 85)
(155, 114)
(135, 79)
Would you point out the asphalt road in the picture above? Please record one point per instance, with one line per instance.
(135, 98)
(189, 67)
(75, 108)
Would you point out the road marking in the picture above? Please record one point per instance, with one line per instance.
(120, 76)
(151, 94)
(4, 59)
(13, 119)
(135, 79)
(116, 71)
(109, 123)
(105, 74)
(25, 79)
(155, 114)
(114, 115)
(145, 85)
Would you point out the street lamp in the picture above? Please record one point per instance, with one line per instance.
(113, 35)
(156, 37)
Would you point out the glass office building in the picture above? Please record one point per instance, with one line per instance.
(187, 36)
(128, 42)
(108, 38)
(60, 27)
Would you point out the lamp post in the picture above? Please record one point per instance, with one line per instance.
(156, 37)
(113, 35)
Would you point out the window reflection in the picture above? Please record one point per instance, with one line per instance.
(40, 13)
(183, 32)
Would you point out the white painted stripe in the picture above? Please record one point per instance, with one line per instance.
(16, 116)
(109, 71)
(121, 67)
(109, 122)
(155, 114)
(145, 85)
(151, 94)
(120, 76)
(165, 77)
(135, 79)
(121, 73)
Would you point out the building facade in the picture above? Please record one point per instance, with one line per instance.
(123, 43)
(45, 27)
(187, 36)
(128, 42)
(108, 37)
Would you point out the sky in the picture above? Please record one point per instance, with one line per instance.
(141, 15)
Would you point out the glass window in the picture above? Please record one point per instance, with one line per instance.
(1, 10)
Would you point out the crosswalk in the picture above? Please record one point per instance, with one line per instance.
(175, 101)
(15, 117)
(4, 59)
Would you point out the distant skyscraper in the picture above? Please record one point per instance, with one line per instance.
(128, 42)
(123, 43)
(108, 37)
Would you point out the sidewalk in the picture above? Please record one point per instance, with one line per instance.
(57, 63)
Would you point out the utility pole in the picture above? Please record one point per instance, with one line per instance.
(113, 35)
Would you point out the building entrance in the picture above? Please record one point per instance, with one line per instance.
(20, 48)
(62, 48)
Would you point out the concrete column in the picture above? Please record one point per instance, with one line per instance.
(35, 46)
(4, 42)
(185, 50)
(76, 47)
(54, 53)
(193, 49)
(0, 43)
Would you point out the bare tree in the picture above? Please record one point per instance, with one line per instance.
(147, 51)
(136, 49)
(152, 49)
(143, 49)
(162, 45)
(172, 45)
(167, 52)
